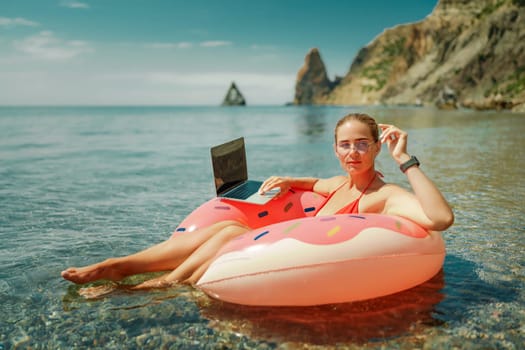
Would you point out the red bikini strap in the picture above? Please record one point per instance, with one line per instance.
(367, 186)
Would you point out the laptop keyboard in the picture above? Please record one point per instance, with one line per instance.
(244, 190)
(241, 192)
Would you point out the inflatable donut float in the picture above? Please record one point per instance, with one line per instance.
(292, 258)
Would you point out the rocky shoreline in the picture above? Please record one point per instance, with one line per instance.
(465, 54)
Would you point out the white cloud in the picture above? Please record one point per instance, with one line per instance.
(18, 21)
(187, 45)
(75, 4)
(181, 45)
(262, 47)
(45, 45)
(215, 43)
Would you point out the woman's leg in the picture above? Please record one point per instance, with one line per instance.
(196, 264)
(167, 255)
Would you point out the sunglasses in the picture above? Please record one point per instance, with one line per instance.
(361, 146)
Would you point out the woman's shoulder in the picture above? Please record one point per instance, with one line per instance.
(395, 196)
(336, 181)
(391, 190)
(383, 197)
(328, 185)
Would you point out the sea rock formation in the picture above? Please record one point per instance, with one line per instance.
(312, 81)
(234, 97)
(474, 48)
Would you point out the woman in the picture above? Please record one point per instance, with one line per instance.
(361, 190)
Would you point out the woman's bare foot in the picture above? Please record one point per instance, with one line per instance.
(90, 273)
(154, 283)
(105, 289)
(97, 292)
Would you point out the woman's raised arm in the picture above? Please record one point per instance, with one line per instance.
(434, 212)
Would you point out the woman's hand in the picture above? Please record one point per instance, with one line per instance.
(396, 141)
(283, 183)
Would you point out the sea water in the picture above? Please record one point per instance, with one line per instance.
(80, 184)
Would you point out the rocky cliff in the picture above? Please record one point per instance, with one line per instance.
(469, 53)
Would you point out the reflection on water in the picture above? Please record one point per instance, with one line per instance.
(312, 123)
(358, 322)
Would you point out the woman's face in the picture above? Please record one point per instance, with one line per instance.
(355, 147)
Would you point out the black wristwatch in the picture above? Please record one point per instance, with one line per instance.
(409, 163)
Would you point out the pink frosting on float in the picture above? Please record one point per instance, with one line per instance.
(325, 230)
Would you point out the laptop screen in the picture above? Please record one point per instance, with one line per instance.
(229, 165)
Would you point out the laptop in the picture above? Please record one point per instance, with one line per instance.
(230, 172)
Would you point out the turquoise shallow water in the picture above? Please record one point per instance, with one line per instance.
(78, 185)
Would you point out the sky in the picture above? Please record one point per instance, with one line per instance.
(174, 52)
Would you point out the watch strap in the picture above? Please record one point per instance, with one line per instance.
(413, 161)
